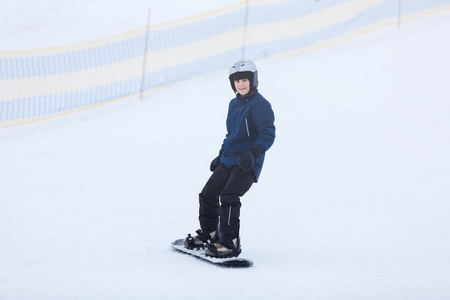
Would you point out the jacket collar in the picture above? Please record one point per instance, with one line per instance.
(247, 97)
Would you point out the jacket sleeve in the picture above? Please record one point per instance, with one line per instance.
(264, 119)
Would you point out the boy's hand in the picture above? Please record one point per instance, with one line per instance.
(247, 161)
(215, 163)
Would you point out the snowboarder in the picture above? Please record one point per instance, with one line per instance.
(250, 133)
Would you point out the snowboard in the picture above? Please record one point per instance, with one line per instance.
(222, 262)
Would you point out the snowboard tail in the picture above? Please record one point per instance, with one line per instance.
(223, 262)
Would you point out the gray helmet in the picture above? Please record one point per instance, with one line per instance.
(244, 69)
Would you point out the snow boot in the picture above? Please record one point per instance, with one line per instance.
(199, 240)
(224, 248)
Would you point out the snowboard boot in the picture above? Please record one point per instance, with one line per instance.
(199, 240)
(224, 248)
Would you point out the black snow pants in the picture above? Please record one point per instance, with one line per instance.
(220, 201)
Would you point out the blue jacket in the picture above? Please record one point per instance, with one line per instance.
(250, 124)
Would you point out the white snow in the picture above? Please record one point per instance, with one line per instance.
(26, 24)
(352, 203)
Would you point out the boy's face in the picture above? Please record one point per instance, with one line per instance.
(242, 86)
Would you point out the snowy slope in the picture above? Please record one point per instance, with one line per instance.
(26, 24)
(352, 202)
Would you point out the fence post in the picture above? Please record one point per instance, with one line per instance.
(244, 38)
(144, 63)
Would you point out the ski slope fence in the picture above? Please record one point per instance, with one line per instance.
(42, 83)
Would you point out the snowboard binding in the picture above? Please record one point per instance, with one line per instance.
(228, 249)
(190, 243)
(198, 241)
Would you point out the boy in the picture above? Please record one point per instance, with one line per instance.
(250, 133)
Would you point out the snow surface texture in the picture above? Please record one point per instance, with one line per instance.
(29, 24)
(352, 203)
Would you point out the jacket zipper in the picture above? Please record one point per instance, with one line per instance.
(246, 125)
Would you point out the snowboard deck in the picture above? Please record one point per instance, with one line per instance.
(223, 262)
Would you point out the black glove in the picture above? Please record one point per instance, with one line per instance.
(216, 161)
(247, 161)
